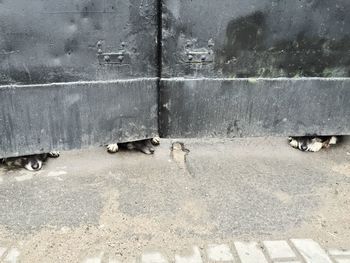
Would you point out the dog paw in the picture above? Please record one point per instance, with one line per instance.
(144, 146)
(155, 140)
(333, 140)
(315, 146)
(54, 154)
(147, 150)
(112, 148)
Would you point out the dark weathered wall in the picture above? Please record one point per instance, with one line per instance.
(76, 115)
(254, 107)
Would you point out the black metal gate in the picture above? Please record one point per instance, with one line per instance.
(86, 72)
(76, 73)
(255, 68)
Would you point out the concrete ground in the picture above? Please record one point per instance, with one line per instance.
(218, 200)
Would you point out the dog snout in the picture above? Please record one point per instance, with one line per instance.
(35, 166)
(303, 147)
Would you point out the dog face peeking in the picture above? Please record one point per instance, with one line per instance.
(30, 162)
(312, 143)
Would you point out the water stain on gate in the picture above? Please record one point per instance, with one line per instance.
(251, 51)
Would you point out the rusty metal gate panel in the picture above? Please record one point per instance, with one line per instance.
(76, 73)
(255, 67)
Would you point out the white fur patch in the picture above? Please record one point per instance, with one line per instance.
(315, 146)
(112, 148)
(333, 140)
(155, 141)
(293, 142)
(54, 154)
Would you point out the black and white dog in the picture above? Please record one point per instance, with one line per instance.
(145, 146)
(313, 143)
(29, 162)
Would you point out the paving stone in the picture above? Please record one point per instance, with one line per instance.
(250, 252)
(219, 253)
(342, 260)
(97, 259)
(12, 256)
(194, 258)
(339, 252)
(279, 249)
(311, 251)
(153, 257)
(2, 251)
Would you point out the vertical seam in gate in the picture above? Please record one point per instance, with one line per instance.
(159, 37)
(159, 59)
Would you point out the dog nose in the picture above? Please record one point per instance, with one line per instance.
(303, 147)
(35, 166)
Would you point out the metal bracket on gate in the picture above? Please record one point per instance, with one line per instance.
(195, 55)
(119, 58)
